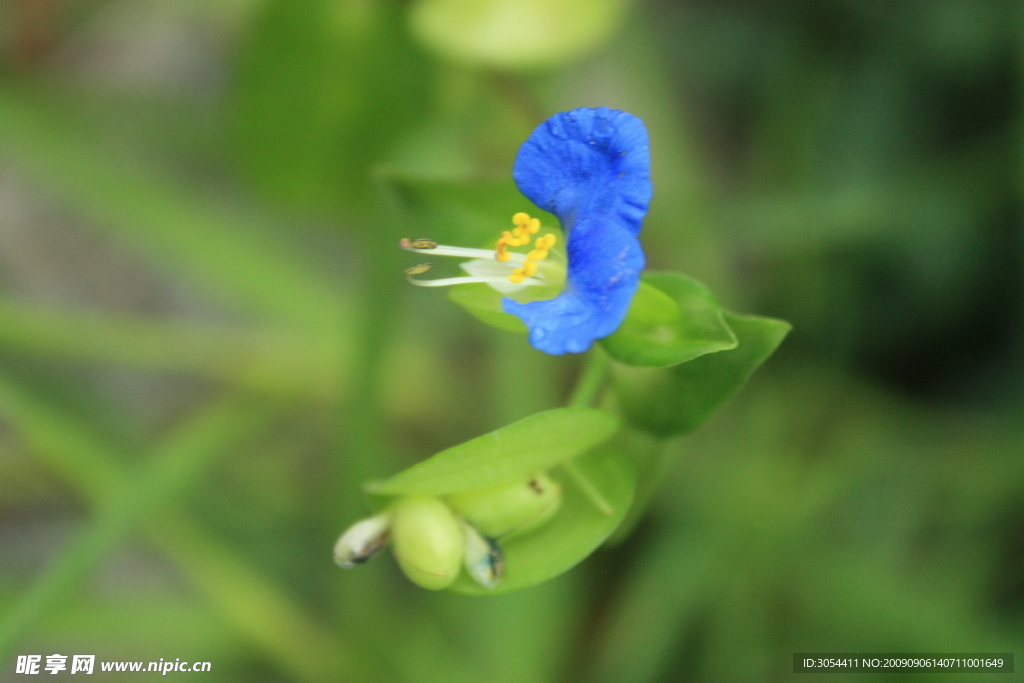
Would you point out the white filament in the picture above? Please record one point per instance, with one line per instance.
(465, 252)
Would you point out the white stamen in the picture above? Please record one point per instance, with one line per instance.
(446, 281)
(464, 252)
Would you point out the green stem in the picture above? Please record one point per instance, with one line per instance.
(591, 380)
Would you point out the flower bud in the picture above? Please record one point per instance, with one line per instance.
(427, 541)
(484, 561)
(509, 509)
(362, 540)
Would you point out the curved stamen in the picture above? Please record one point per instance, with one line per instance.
(464, 252)
(446, 281)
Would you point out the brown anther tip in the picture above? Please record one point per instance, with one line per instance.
(404, 243)
(416, 270)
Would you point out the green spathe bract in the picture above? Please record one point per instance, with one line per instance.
(427, 541)
(496, 463)
(521, 449)
(672, 319)
(675, 401)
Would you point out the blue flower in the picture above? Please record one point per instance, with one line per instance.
(591, 168)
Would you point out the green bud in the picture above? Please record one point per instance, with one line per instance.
(509, 509)
(427, 541)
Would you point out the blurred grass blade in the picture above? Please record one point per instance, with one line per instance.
(171, 468)
(267, 359)
(254, 605)
(177, 228)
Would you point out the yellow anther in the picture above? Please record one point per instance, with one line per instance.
(546, 242)
(416, 270)
(518, 237)
(537, 255)
(501, 247)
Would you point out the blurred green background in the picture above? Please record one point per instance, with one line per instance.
(206, 343)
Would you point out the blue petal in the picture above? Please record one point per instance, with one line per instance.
(588, 161)
(591, 168)
(605, 261)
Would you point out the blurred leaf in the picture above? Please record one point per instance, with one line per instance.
(515, 34)
(531, 444)
(484, 303)
(180, 230)
(574, 533)
(672, 319)
(323, 90)
(677, 400)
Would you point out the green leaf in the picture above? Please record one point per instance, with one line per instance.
(514, 34)
(529, 445)
(484, 304)
(672, 319)
(574, 533)
(674, 401)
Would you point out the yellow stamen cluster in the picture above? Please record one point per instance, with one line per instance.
(518, 236)
(538, 254)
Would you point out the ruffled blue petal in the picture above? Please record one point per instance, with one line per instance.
(605, 261)
(591, 168)
(588, 161)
